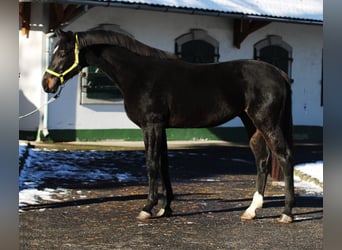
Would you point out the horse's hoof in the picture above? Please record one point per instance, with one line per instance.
(143, 215)
(285, 219)
(164, 213)
(247, 215)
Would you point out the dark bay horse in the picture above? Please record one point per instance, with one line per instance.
(161, 91)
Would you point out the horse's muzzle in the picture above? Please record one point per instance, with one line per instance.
(50, 84)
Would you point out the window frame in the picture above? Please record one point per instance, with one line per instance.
(85, 100)
(275, 40)
(196, 34)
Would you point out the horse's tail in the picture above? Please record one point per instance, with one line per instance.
(287, 122)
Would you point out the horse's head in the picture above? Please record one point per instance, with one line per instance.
(64, 63)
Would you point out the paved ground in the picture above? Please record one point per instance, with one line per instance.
(211, 193)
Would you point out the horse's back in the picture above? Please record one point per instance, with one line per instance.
(190, 95)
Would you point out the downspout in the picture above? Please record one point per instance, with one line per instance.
(44, 118)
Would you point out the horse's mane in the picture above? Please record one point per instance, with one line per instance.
(107, 37)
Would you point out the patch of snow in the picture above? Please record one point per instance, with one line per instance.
(314, 169)
(34, 196)
(42, 167)
(126, 177)
(309, 187)
(206, 179)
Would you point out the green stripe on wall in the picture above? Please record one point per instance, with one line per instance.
(235, 134)
(307, 134)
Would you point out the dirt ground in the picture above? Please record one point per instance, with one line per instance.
(210, 195)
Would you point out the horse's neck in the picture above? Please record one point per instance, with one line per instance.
(120, 65)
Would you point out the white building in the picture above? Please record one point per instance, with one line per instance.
(286, 33)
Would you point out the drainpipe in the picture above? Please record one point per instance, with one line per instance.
(44, 118)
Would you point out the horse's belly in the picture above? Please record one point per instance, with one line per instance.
(200, 118)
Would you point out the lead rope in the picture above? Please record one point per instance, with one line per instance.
(48, 102)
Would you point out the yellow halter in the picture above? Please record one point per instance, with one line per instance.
(61, 75)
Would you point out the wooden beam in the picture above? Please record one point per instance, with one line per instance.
(25, 17)
(60, 14)
(71, 10)
(244, 27)
(56, 12)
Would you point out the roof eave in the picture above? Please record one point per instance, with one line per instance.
(184, 10)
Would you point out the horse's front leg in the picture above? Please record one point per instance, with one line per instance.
(167, 196)
(153, 140)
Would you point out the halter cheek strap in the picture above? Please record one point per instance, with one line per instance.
(61, 75)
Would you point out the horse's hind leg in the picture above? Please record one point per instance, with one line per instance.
(263, 162)
(281, 149)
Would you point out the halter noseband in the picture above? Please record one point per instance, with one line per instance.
(61, 75)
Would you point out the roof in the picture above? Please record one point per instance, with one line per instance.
(306, 10)
(300, 11)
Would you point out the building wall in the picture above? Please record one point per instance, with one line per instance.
(31, 67)
(307, 45)
(160, 30)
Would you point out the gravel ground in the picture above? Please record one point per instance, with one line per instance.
(211, 193)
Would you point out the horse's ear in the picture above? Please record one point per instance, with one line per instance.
(60, 33)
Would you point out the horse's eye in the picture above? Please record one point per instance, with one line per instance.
(61, 52)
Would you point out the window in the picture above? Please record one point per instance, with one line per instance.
(275, 51)
(197, 47)
(96, 87)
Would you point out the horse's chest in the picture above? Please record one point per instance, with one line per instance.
(144, 110)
